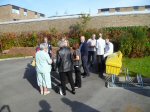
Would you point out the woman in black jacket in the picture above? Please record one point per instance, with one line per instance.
(65, 66)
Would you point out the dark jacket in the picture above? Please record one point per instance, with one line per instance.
(64, 60)
(77, 53)
(84, 49)
(50, 50)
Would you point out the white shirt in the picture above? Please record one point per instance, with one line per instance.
(100, 45)
(109, 49)
(91, 42)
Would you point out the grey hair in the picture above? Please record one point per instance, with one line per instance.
(43, 46)
(62, 43)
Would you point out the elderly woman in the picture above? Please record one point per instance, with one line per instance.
(63, 39)
(65, 65)
(43, 68)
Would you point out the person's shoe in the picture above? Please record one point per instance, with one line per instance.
(46, 93)
(41, 92)
(84, 76)
(61, 93)
(73, 92)
(76, 87)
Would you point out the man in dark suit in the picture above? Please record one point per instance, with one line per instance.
(50, 53)
(84, 56)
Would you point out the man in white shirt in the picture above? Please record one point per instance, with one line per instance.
(100, 46)
(109, 48)
(91, 49)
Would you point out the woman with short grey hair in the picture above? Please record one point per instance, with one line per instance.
(43, 69)
(65, 66)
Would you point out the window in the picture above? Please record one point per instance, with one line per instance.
(15, 10)
(36, 14)
(42, 15)
(147, 7)
(25, 12)
(105, 10)
(117, 9)
(136, 8)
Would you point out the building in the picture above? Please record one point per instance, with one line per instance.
(124, 9)
(14, 13)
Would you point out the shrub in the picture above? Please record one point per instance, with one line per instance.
(132, 41)
(7, 40)
(140, 37)
(73, 40)
(125, 44)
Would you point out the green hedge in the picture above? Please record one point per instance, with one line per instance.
(132, 41)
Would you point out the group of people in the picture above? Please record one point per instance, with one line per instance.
(69, 60)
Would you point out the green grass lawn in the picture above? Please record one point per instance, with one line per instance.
(137, 65)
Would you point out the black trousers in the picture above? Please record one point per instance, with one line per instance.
(85, 65)
(105, 63)
(101, 64)
(63, 76)
(91, 57)
(77, 76)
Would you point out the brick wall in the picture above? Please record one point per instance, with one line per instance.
(63, 25)
(5, 13)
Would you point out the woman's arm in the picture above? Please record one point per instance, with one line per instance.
(77, 58)
(49, 60)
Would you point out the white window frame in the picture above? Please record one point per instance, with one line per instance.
(15, 11)
(36, 14)
(25, 13)
(136, 8)
(117, 9)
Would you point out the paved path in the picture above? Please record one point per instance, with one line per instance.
(18, 93)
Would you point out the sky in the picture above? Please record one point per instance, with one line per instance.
(63, 7)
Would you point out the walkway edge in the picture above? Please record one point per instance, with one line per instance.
(14, 58)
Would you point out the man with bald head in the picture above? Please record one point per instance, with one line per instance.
(84, 56)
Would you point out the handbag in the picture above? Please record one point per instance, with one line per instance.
(33, 63)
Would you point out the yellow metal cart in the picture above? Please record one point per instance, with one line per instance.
(113, 69)
(114, 63)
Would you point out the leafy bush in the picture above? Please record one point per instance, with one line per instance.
(73, 40)
(7, 40)
(140, 36)
(132, 41)
(125, 45)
